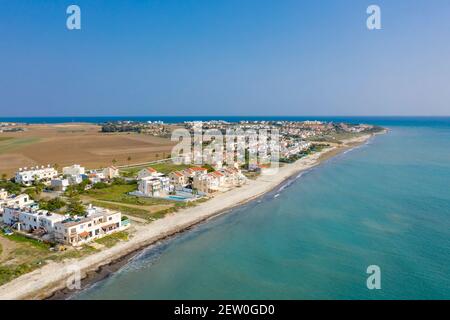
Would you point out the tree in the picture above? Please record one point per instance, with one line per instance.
(76, 207)
(129, 159)
(11, 187)
(4, 176)
(31, 193)
(114, 161)
(71, 191)
(52, 205)
(38, 187)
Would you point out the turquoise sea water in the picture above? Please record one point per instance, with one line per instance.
(386, 203)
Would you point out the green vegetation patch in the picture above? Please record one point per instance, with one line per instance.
(112, 239)
(8, 273)
(19, 238)
(165, 168)
(136, 212)
(9, 144)
(30, 254)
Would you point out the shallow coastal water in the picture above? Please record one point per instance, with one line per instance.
(385, 203)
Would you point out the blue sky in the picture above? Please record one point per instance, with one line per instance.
(224, 57)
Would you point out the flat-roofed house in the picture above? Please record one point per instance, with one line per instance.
(98, 223)
(27, 176)
(151, 187)
(18, 201)
(31, 218)
(59, 184)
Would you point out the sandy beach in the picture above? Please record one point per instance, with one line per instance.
(52, 277)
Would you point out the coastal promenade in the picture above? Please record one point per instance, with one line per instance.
(52, 277)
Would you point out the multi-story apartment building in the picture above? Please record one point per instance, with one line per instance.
(18, 201)
(27, 176)
(98, 223)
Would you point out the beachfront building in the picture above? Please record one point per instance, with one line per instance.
(195, 171)
(220, 180)
(178, 179)
(18, 201)
(150, 187)
(98, 222)
(31, 219)
(147, 172)
(207, 183)
(27, 176)
(155, 186)
(232, 177)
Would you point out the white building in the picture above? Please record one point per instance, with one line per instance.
(31, 219)
(98, 223)
(194, 171)
(18, 201)
(27, 176)
(147, 172)
(150, 187)
(75, 170)
(111, 173)
(59, 184)
(208, 183)
(178, 179)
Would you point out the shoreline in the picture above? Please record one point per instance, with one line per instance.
(49, 282)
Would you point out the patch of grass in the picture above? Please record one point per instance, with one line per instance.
(139, 213)
(72, 253)
(165, 168)
(9, 144)
(5, 138)
(8, 273)
(32, 242)
(29, 254)
(112, 192)
(112, 239)
(119, 194)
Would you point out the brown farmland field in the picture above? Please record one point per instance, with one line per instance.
(84, 144)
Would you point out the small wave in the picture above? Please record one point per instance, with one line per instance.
(277, 195)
